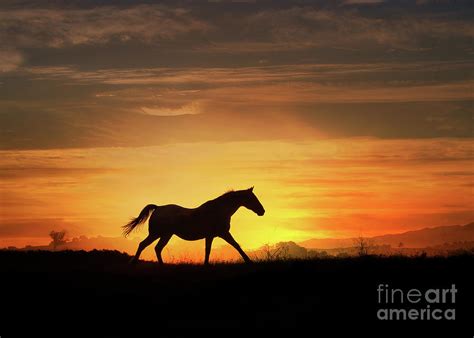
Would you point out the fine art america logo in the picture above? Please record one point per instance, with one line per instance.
(416, 304)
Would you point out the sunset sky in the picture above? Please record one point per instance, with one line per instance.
(349, 117)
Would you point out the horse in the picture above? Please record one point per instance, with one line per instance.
(210, 220)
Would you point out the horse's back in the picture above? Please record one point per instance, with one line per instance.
(189, 224)
(171, 211)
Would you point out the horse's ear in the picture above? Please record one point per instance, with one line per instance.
(250, 189)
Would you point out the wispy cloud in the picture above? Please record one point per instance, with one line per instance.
(265, 83)
(160, 110)
(295, 83)
(306, 27)
(287, 28)
(10, 60)
(65, 27)
(12, 173)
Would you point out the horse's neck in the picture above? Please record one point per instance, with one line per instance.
(231, 206)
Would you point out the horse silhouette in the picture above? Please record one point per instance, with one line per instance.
(210, 220)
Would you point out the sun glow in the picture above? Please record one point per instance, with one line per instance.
(315, 189)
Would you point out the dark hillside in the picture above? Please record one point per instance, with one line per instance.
(98, 290)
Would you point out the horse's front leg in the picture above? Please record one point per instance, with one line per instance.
(208, 249)
(229, 239)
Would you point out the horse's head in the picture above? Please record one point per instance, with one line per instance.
(251, 202)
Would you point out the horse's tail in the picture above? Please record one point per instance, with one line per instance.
(134, 222)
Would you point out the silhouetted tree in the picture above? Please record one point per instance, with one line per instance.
(267, 252)
(362, 245)
(400, 247)
(280, 251)
(58, 238)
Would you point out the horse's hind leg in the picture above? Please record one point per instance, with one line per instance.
(143, 244)
(160, 245)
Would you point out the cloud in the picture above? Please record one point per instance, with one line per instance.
(10, 60)
(266, 29)
(11, 173)
(79, 102)
(370, 224)
(308, 27)
(358, 82)
(229, 115)
(28, 226)
(192, 108)
(66, 27)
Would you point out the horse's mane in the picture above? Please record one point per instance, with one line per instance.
(227, 194)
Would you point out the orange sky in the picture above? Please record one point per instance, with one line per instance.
(326, 188)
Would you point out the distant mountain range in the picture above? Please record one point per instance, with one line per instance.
(411, 239)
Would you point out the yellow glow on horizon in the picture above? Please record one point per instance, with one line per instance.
(325, 188)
